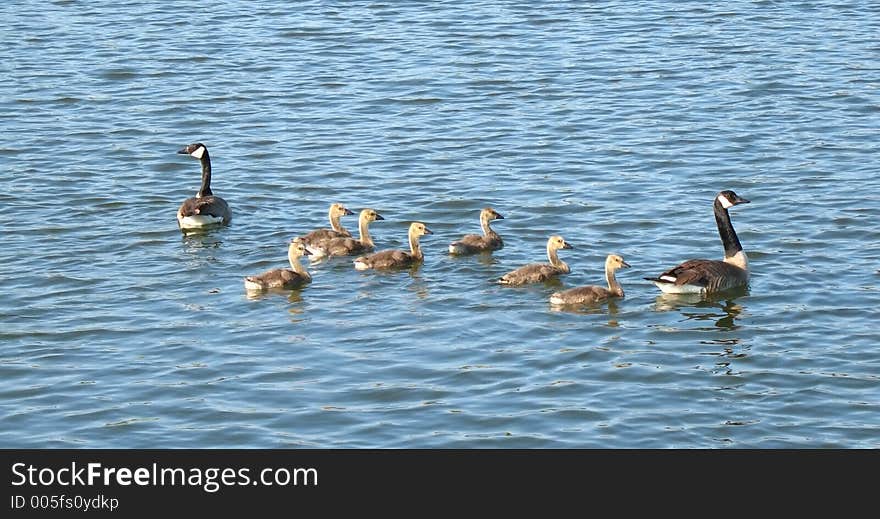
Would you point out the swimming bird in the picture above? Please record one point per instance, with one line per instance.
(474, 243)
(395, 258)
(540, 272)
(314, 238)
(704, 276)
(591, 293)
(349, 246)
(205, 209)
(293, 277)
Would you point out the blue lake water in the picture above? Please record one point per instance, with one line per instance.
(613, 124)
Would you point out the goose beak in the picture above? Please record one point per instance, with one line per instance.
(567, 245)
(625, 264)
(184, 151)
(741, 200)
(498, 217)
(428, 231)
(379, 217)
(348, 212)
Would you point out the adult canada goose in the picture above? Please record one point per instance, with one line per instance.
(591, 293)
(293, 277)
(474, 243)
(205, 209)
(314, 238)
(703, 276)
(539, 272)
(394, 258)
(350, 246)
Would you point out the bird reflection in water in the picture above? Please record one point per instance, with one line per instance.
(198, 247)
(608, 307)
(688, 305)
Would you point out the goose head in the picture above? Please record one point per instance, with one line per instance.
(297, 249)
(614, 262)
(370, 215)
(337, 210)
(556, 242)
(728, 199)
(417, 229)
(490, 214)
(196, 150)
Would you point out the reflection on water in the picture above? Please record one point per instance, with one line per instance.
(608, 307)
(198, 248)
(686, 304)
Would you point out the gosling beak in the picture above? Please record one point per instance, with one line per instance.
(567, 245)
(306, 251)
(428, 231)
(348, 212)
(498, 217)
(379, 217)
(625, 264)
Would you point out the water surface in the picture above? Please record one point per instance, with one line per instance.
(613, 124)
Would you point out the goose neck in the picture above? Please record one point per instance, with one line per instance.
(364, 229)
(725, 229)
(205, 189)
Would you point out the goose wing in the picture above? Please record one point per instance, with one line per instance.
(206, 206)
(531, 273)
(580, 295)
(277, 278)
(387, 259)
(708, 274)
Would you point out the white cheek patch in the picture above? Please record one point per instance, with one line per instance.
(725, 203)
(671, 279)
(198, 152)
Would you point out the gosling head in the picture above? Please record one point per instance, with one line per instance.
(196, 150)
(491, 214)
(370, 215)
(614, 262)
(728, 199)
(419, 229)
(556, 242)
(297, 248)
(339, 210)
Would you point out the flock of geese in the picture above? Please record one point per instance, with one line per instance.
(696, 276)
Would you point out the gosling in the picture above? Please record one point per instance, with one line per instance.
(350, 246)
(315, 238)
(591, 294)
(540, 272)
(295, 276)
(395, 258)
(474, 243)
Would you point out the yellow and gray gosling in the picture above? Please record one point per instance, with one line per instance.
(395, 258)
(293, 277)
(540, 272)
(592, 293)
(474, 243)
(350, 246)
(205, 209)
(314, 239)
(704, 276)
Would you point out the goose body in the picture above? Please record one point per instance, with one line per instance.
(315, 238)
(293, 277)
(205, 209)
(591, 293)
(343, 246)
(705, 276)
(395, 258)
(540, 272)
(475, 243)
